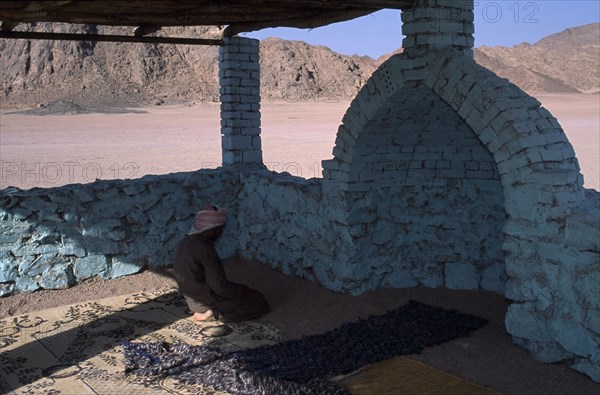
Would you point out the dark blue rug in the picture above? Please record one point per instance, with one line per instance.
(303, 366)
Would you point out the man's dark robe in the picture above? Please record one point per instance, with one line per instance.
(201, 280)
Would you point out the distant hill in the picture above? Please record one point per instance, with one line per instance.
(93, 74)
(568, 61)
(127, 74)
(294, 70)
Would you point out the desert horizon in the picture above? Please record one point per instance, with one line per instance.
(54, 150)
(156, 117)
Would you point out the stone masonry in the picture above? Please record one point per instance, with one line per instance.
(443, 174)
(438, 24)
(552, 269)
(55, 238)
(428, 193)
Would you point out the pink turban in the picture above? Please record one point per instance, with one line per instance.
(207, 218)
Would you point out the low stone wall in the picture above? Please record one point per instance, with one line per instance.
(58, 237)
(280, 221)
(55, 238)
(555, 285)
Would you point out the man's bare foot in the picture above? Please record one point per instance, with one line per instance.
(208, 315)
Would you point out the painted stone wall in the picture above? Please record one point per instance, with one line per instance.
(552, 268)
(58, 237)
(280, 218)
(554, 273)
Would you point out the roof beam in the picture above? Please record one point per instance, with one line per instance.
(108, 38)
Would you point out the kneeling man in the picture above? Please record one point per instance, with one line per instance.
(201, 277)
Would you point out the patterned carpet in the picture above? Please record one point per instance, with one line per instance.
(77, 349)
(306, 365)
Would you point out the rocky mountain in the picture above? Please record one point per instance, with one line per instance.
(294, 70)
(102, 73)
(564, 62)
(106, 73)
(126, 74)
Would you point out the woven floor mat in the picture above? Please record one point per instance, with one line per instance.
(306, 365)
(401, 375)
(77, 349)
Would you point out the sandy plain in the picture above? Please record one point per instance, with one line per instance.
(54, 150)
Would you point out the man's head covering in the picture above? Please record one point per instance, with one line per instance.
(207, 218)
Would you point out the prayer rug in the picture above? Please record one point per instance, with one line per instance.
(302, 366)
(400, 375)
(77, 349)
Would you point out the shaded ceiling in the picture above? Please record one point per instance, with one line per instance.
(238, 15)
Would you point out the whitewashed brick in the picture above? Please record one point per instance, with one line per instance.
(230, 98)
(502, 138)
(409, 42)
(252, 156)
(251, 98)
(552, 156)
(555, 137)
(233, 58)
(237, 123)
(250, 131)
(543, 124)
(415, 75)
(256, 143)
(487, 135)
(533, 140)
(534, 156)
(231, 157)
(250, 82)
(568, 152)
(236, 142)
(230, 114)
(248, 115)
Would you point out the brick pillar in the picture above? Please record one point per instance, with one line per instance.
(239, 76)
(438, 24)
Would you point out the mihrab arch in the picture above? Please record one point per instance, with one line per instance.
(450, 175)
(488, 140)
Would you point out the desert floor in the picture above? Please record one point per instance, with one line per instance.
(54, 150)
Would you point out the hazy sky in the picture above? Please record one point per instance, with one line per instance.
(503, 22)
